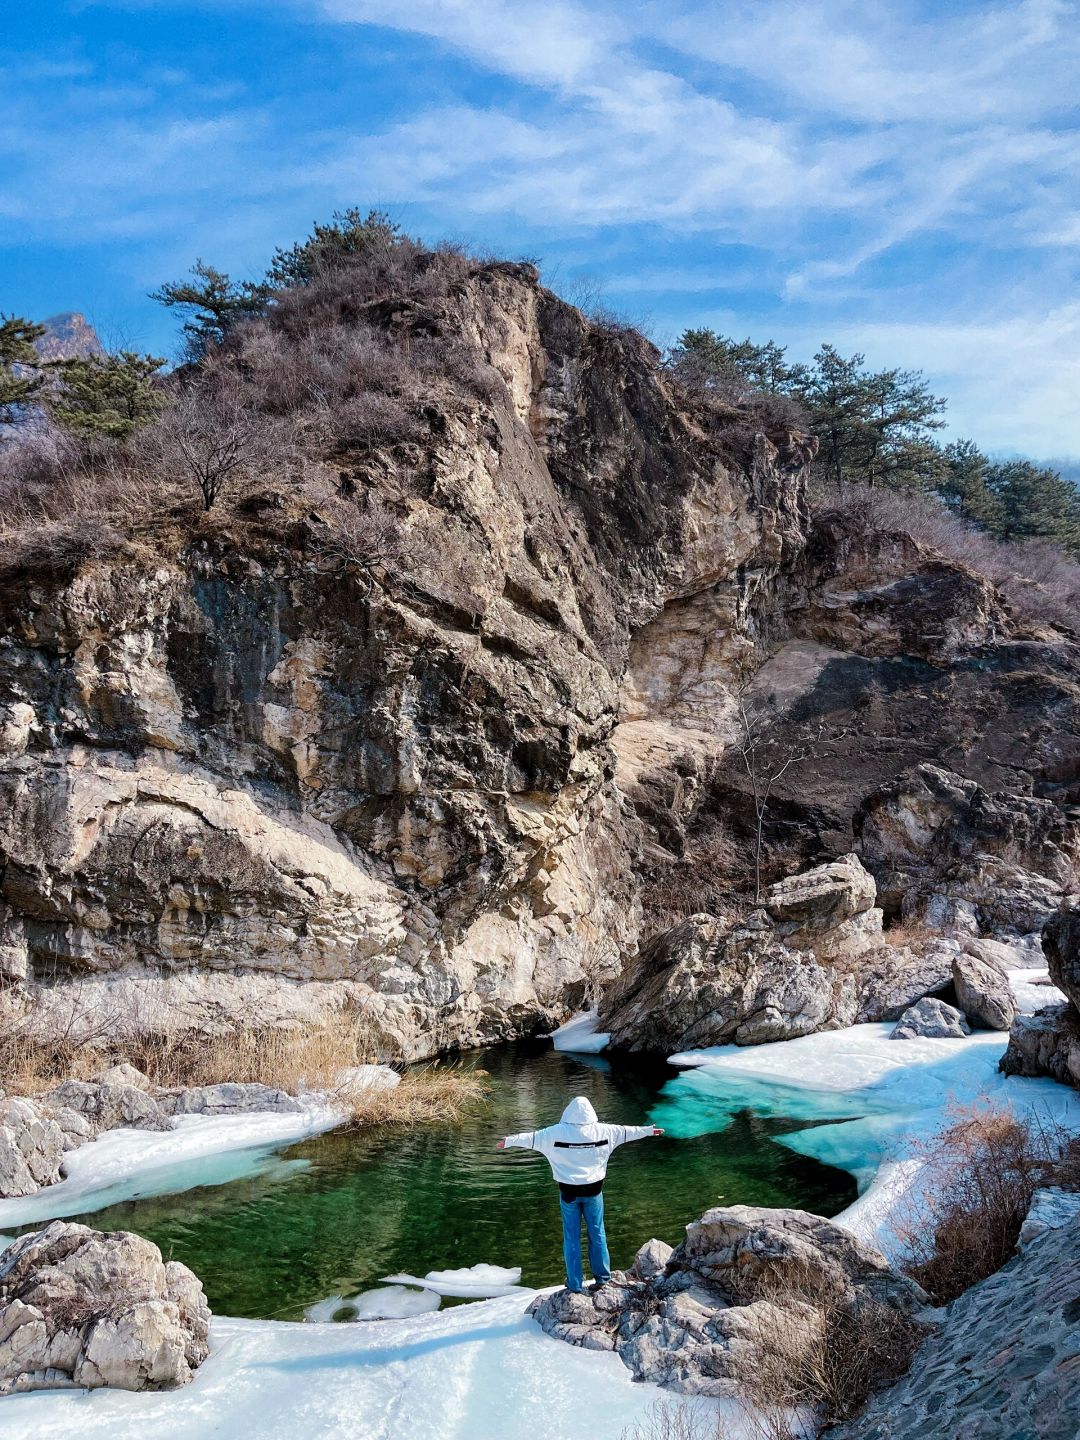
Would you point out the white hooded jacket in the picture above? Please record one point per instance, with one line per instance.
(579, 1147)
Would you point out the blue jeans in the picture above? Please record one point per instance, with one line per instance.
(589, 1208)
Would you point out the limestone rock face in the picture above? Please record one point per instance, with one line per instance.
(31, 1147)
(109, 1107)
(240, 777)
(960, 858)
(228, 1099)
(931, 1017)
(82, 1308)
(829, 909)
(983, 992)
(701, 1323)
(893, 977)
(708, 983)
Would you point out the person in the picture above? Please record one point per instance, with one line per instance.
(578, 1150)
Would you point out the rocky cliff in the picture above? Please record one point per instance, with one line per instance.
(248, 777)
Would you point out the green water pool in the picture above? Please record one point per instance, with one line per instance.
(336, 1213)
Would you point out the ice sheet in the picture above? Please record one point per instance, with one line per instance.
(579, 1035)
(135, 1164)
(1033, 989)
(895, 1093)
(475, 1372)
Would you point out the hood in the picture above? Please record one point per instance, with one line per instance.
(579, 1112)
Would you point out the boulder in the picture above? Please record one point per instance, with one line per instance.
(1061, 945)
(1046, 1043)
(32, 1145)
(829, 909)
(110, 1107)
(932, 1018)
(228, 1099)
(82, 1308)
(123, 1074)
(983, 992)
(705, 982)
(651, 1260)
(893, 977)
(744, 1282)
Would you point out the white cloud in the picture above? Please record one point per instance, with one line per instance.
(1008, 380)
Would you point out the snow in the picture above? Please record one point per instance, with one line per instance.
(579, 1035)
(201, 1150)
(475, 1282)
(385, 1302)
(475, 1372)
(1033, 989)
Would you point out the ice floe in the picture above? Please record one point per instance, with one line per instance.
(474, 1282)
(385, 1302)
(579, 1035)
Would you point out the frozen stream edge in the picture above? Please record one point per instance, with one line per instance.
(484, 1371)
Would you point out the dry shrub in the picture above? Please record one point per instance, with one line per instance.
(708, 879)
(981, 1174)
(426, 1093)
(1039, 580)
(907, 933)
(704, 1420)
(840, 1347)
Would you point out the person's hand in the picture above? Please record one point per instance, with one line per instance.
(501, 1145)
(656, 1130)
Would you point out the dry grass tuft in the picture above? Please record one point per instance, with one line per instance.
(426, 1093)
(982, 1173)
(907, 933)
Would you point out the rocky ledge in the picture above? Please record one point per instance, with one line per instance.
(37, 1131)
(813, 956)
(1006, 1361)
(702, 1319)
(81, 1308)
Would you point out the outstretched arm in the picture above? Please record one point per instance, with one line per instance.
(524, 1141)
(624, 1134)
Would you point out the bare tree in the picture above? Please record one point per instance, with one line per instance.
(766, 758)
(208, 439)
(360, 537)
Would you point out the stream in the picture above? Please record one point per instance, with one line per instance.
(334, 1214)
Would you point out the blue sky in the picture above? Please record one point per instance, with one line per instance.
(901, 178)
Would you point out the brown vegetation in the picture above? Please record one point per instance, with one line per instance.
(981, 1175)
(1040, 582)
(308, 1058)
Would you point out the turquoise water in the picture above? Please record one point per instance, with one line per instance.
(338, 1212)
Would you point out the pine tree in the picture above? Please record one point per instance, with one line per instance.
(215, 304)
(963, 485)
(347, 235)
(1036, 503)
(20, 378)
(105, 394)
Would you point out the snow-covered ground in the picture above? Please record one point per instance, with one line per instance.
(200, 1150)
(477, 1372)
